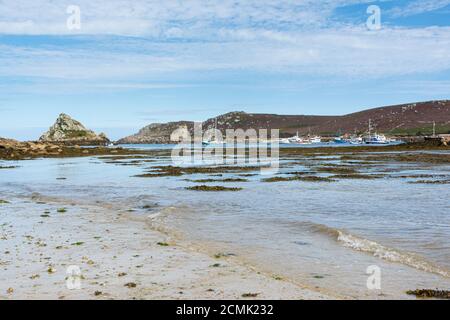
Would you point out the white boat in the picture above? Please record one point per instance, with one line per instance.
(297, 140)
(376, 138)
(315, 139)
(356, 140)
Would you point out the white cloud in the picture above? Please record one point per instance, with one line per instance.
(162, 17)
(348, 52)
(418, 7)
(187, 38)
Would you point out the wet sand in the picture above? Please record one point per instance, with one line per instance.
(119, 256)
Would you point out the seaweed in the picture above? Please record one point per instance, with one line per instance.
(337, 169)
(429, 293)
(430, 182)
(219, 180)
(250, 295)
(212, 188)
(165, 171)
(298, 178)
(358, 176)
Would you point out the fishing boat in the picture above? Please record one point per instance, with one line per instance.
(315, 139)
(376, 138)
(297, 140)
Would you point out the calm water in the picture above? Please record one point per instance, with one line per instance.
(324, 235)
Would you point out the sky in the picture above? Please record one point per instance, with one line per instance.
(132, 63)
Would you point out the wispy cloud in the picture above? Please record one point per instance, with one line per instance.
(418, 6)
(173, 40)
(352, 52)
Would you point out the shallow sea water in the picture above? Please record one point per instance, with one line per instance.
(324, 235)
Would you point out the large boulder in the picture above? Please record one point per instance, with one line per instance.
(69, 131)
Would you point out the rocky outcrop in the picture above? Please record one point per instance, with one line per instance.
(13, 149)
(68, 131)
(158, 133)
(16, 150)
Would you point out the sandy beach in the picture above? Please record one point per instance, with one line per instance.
(119, 256)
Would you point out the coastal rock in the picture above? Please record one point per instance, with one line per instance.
(68, 131)
(13, 149)
(158, 133)
(17, 150)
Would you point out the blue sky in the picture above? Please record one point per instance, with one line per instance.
(137, 62)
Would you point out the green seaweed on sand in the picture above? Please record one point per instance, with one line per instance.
(8, 167)
(3, 201)
(429, 293)
(79, 243)
(250, 295)
(61, 210)
(163, 244)
(212, 188)
(223, 255)
(130, 285)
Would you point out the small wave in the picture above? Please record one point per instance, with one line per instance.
(377, 250)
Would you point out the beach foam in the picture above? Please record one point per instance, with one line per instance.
(377, 250)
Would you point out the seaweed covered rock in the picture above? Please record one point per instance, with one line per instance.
(68, 131)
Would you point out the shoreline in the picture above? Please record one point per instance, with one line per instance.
(120, 257)
(80, 230)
